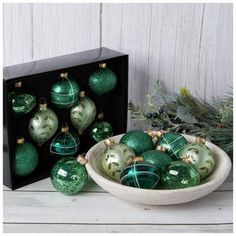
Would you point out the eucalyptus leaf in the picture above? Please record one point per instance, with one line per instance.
(184, 114)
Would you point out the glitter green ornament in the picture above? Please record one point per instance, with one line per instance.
(101, 129)
(180, 175)
(26, 158)
(83, 113)
(65, 92)
(115, 157)
(44, 123)
(21, 100)
(103, 80)
(69, 175)
(138, 141)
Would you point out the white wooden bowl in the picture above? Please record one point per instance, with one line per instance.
(159, 197)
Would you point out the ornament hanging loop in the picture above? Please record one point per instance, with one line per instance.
(81, 159)
(64, 75)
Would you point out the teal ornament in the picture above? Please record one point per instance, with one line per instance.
(157, 158)
(115, 157)
(200, 156)
(101, 129)
(140, 175)
(65, 143)
(171, 143)
(83, 113)
(21, 101)
(180, 175)
(43, 125)
(65, 92)
(138, 141)
(69, 175)
(25, 159)
(103, 80)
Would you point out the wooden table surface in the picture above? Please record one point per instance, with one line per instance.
(39, 208)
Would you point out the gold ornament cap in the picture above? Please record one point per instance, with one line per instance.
(20, 140)
(200, 140)
(100, 116)
(108, 142)
(82, 94)
(102, 65)
(138, 159)
(187, 159)
(155, 133)
(18, 84)
(81, 160)
(65, 128)
(42, 103)
(63, 75)
(161, 148)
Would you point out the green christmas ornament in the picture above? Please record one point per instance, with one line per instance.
(138, 141)
(101, 129)
(171, 143)
(65, 143)
(44, 123)
(160, 159)
(180, 175)
(103, 80)
(21, 101)
(200, 156)
(83, 113)
(26, 158)
(65, 92)
(116, 156)
(69, 175)
(140, 175)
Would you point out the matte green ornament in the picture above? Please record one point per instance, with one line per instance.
(26, 158)
(140, 175)
(138, 141)
(65, 143)
(171, 143)
(160, 159)
(200, 156)
(103, 80)
(116, 156)
(101, 129)
(21, 101)
(43, 125)
(65, 92)
(82, 113)
(69, 175)
(180, 175)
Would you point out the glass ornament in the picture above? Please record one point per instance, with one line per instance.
(103, 80)
(82, 113)
(21, 100)
(138, 141)
(44, 123)
(25, 159)
(115, 157)
(69, 175)
(101, 129)
(65, 92)
(180, 175)
(65, 143)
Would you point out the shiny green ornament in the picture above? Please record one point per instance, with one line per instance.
(180, 175)
(200, 156)
(69, 175)
(138, 141)
(21, 101)
(160, 159)
(82, 113)
(65, 143)
(43, 125)
(26, 158)
(101, 129)
(103, 80)
(116, 156)
(171, 143)
(65, 92)
(140, 175)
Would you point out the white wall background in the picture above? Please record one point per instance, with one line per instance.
(180, 44)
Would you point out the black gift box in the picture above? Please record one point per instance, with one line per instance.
(39, 77)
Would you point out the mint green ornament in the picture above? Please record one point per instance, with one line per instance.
(103, 80)
(69, 175)
(82, 113)
(26, 158)
(138, 141)
(43, 125)
(65, 92)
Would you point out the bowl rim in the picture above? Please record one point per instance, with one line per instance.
(216, 181)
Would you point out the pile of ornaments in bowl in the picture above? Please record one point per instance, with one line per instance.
(157, 160)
